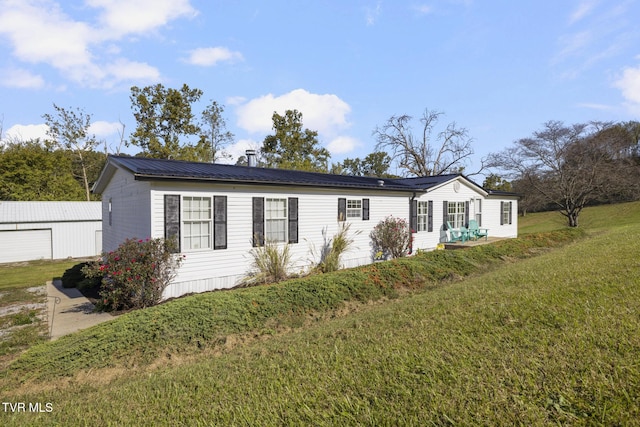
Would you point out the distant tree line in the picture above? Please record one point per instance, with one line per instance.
(567, 167)
(560, 167)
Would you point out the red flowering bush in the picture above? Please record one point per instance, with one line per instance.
(391, 237)
(134, 275)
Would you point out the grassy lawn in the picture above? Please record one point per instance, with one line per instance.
(22, 327)
(33, 273)
(547, 340)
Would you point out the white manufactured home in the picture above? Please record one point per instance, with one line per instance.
(49, 230)
(219, 213)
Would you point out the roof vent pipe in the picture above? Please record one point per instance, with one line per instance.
(251, 158)
(380, 183)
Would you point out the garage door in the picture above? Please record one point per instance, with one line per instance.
(25, 245)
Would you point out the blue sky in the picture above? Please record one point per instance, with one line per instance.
(498, 68)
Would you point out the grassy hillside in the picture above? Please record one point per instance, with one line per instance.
(552, 339)
(591, 219)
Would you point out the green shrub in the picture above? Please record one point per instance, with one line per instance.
(134, 275)
(74, 275)
(271, 263)
(391, 237)
(334, 248)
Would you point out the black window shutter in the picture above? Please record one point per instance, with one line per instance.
(445, 213)
(258, 221)
(342, 209)
(365, 209)
(501, 213)
(430, 216)
(413, 215)
(510, 211)
(172, 220)
(293, 220)
(466, 214)
(219, 222)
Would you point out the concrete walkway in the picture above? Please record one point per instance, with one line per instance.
(69, 311)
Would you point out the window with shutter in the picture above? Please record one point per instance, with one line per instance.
(365, 209)
(172, 220)
(342, 209)
(196, 223)
(413, 215)
(258, 221)
(293, 220)
(275, 220)
(220, 222)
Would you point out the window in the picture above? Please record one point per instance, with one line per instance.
(456, 214)
(110, 212)
(354, 208)
(423, 216)
(196, 223)
(276, 220)
(505, 217)
(478, 211)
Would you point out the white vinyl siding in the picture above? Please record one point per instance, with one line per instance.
(354, 208)
(455, 214)
(276, 220)
(196, 225)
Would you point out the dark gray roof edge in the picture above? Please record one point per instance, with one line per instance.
(237, 174)
(143, 177)
(504, 193)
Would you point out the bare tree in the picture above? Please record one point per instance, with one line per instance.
(69, 129)
(570, 166)
(215, 134)
(424, 155)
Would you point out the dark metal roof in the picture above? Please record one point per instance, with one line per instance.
(160, 169)
(427, 181)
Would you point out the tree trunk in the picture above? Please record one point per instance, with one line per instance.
(84, 177)
(573, 219)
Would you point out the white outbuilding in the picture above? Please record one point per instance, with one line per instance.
(49, 230)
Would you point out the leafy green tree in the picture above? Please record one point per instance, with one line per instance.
(374, 164)
(215, 135)
(292, 147)
(32, 171)
(496, 182)
(69, 129)
(164, 119)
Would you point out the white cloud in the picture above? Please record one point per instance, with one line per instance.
(39, 31)
(20, 78)
(239, 148)
(123, 69)
(26, 132)
(595, 106)
(422, 9)
(122, 17)
(209, 56)
(629, 85)
(325, 113)
(583, 9)
(343, 144)
(373, 13)
(103, 129)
